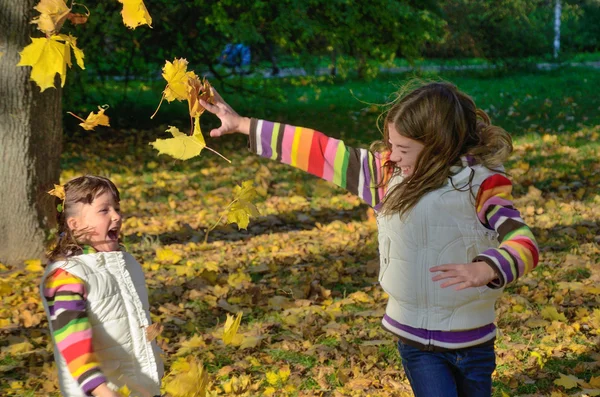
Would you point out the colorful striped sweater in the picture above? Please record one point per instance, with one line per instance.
(359, 171)
(72, 333)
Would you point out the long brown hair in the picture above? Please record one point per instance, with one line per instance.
(449, 125)
(83, 189)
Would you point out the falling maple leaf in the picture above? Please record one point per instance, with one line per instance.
(177, 78)
(182, 146)
(49, 56)
(135, 13)
(231, 328)
(53, 14)
(94, 119)
(242, 208)
(185, 85)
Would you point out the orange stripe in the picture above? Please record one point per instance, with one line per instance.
(304, 148)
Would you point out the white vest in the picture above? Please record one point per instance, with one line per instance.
(442, 228)
(118, 311)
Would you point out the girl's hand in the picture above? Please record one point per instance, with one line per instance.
(230, 121)
(104, 391)
(465, 275)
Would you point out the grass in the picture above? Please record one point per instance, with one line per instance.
(320, 233)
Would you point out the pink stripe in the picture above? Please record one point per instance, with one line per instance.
(495, 200)
(286, 144)
(74, 338)
(75, 288)
(330, 152)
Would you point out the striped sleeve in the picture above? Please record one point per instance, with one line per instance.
(357, 170)
(71, 330)
(518, 251)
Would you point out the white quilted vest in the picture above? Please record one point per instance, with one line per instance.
(118, 310)
(442, 228)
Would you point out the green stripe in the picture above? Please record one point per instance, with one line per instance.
(371, 159)
(345, 168)
(76, 325)
(523, 231)
(67, 298)
(274, 137)
(338, 164)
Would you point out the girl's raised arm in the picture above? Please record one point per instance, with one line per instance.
(357, 170)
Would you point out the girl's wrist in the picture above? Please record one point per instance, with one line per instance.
(244, 126)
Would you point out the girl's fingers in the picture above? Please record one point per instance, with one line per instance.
(208, 106)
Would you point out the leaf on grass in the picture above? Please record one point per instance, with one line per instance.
(550, 313)
(53, 14)
(567, 381)
(94, 119)
(33, 265)
(231, 328)
(242, 208)
(135, 13)
(49, 56)
(181, 146)
(191, 382)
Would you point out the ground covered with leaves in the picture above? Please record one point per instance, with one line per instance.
(304, 275)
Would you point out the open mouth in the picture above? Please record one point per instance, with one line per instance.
(113, 234)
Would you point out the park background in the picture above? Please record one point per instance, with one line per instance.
(304, 273)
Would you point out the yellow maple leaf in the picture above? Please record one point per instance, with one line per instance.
(33, 265)
(58, 191)
(135, 13)
(231, 327)
(550, 313)
(93, 120)
(198, 90)
(167, 255)
(595, 382)
(190, 345)
(49, 56)
(567, 381)
(189, 383)
(53, 14)
(177, 78)
(241, 208)
(124, 391)
(272, 377)
(181, 146)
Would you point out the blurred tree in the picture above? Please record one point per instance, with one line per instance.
(30, 142)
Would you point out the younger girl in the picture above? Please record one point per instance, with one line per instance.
(445, 213)
(96, 301)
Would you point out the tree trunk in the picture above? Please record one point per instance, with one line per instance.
(30, 142)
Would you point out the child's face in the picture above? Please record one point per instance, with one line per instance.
(99, 223)
(404, 151)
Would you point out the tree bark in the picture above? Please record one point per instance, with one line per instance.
(30, 142)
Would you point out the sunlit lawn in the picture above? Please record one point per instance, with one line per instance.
(304, 274)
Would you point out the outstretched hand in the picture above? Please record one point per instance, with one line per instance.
(231, 121)
(464, 275)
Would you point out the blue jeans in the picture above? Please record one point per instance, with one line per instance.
(465, 372)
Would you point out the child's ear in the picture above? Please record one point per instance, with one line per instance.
(72, 223)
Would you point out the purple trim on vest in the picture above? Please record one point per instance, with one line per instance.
(445, 336)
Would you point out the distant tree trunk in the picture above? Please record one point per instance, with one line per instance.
(557, 13)
(30, 142)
